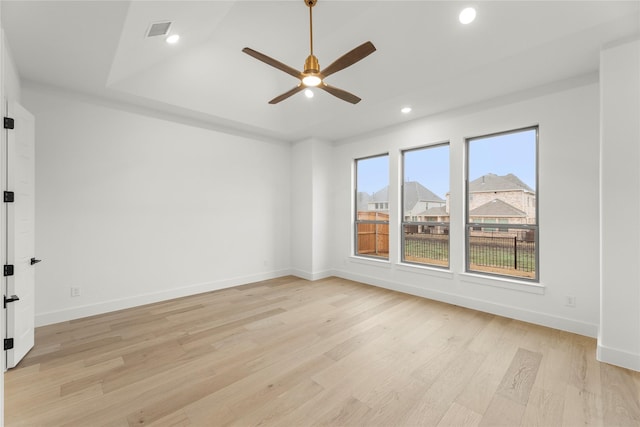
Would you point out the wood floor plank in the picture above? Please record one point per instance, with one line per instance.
(353, 343)
(544, 408)
(392, 407)
(449, 383)
(520, 377)
(581, 407)
(272, 386)
(620, 400)
(482, 386)
(345, 413)
(459, 416)
(175, 419)
(279, 407)
(503, 412)
(309, 412)
(289, 352)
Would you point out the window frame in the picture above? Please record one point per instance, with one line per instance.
(471, 226)
(357, 221)
(411, 222)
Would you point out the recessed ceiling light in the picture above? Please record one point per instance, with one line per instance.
(467, 15)
(308, 93)
(405, 110)
(173, 39)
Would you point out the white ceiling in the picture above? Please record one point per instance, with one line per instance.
(425, 58)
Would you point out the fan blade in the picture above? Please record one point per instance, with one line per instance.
(342, 94)
(273, 62)
(287, 94)
(349, 58)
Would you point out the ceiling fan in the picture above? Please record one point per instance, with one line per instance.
(312, 76)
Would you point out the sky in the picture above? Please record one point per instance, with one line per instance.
(499, 154)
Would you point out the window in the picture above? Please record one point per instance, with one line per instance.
(372, 207)
(501, 190)
(425, 213)
(489, 221)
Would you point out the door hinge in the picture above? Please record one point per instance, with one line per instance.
(9, 196)
(9, 123)
(8, 270)
(8, 343)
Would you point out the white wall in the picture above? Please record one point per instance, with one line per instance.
(310, 209)
(133, 208)
(619, 336)
(11, 78)
(322, 209)
(302, 209)
(568, 207)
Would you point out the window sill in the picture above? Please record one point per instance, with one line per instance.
(499, 282)
(425, 269)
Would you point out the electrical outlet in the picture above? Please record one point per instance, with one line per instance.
(570, 301)
(75, 291)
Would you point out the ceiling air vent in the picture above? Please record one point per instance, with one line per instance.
(159, 29)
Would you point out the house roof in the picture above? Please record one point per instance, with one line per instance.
(437, 211)
(493, 182)
(381, 195)
(415, 192)
(497, 208)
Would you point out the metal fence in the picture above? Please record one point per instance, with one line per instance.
(500, 254)
(427, 248)
(503, 252)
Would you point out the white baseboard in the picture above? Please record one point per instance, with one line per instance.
(543, 319)
(64, 315)
(311, 276)
(614, 356)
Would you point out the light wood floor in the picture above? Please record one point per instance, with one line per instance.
(294, 353)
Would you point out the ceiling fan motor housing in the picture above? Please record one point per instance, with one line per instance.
(311, 65)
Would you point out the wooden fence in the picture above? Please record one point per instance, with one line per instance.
(373, 239)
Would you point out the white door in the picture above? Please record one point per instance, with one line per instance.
(20, 225)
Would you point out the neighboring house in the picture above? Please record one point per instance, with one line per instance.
(501, 199)
(379, 201)
(420, 204)
(497, 212)
(494, 199)
(417, 199)
(362, 202)
(436, 214)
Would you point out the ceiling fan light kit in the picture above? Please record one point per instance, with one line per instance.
(312, 76)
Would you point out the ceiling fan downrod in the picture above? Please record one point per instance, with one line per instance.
(311, 65)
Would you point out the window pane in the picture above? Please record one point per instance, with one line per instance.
(504, 252)
(425, 206)
(501, 191)
(431, 248)
(372, 207)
